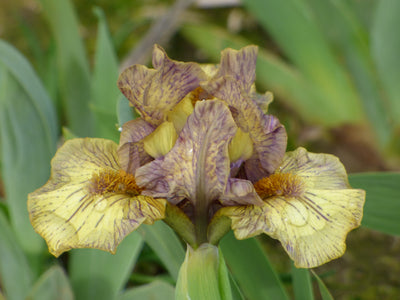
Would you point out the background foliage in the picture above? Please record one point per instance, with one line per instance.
(333, 67)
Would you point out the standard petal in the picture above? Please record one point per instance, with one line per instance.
(198, 165)
(308, 206)
(89, 202)
(154, 92)
(131, 154)
(268, 135)
(240, 65)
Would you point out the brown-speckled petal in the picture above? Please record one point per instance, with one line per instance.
(197, 168)
(154, 92)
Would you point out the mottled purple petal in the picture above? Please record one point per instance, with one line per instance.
(156, 91)
(240, 65)
(240, 192)
(268, 135)
(197, 168)
(131, 153)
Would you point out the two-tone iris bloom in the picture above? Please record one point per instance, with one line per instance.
(205, 157)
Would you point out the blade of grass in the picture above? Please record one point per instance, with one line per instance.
(28, 135)
(350, 39)
(385, 44)
(382, 205)
(251, 268)
(100, 275)
(293, 27)
(302, 285)
(165, 243)
(15, 273)
(105, 94)
(74, 74)
(157, 290)
(53, 284)
(325, 294)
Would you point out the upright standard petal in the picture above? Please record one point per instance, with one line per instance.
(197, 168)
(89, 202)
(233, 84)
(154, 92)
(308, 205)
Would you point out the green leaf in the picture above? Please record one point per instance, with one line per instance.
(28, 135)
(385, 44)
(105, 93)
(15, 273)
(125, 112)
(382, 205)
(251, 269)
(73, 66)
(325, 294)
(293, 27)
(165, 243)
(157, 290)
(53, 284)
(302, 285)
(350, 39)
(100, 275)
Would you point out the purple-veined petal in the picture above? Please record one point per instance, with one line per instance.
(89, 202)
(197, 168)
(310, 210)
(154, 92)
(240, 192)
(131, 154)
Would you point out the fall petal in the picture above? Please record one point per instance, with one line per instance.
(198, 165)
(85, 203)
(153, 92)
(311, 211)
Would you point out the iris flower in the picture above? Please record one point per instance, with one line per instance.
(205, 157)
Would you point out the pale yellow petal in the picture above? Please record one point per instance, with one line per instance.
(312, 229)
(308, 206)
(179, 114)
(241, 146)
(88, 202)
(161, 140)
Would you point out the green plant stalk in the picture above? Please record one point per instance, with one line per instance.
(203, 275)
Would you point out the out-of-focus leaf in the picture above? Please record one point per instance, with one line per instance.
(100, 275)
(382, 205)
(53, 284)
(165, 243)
(105, 92)
(325, 294)
(385, 40)
(73, 66)
(157, 290)
(272, 73)
(350, 39)
(15, 274)
(251, 268)
(293, 27)
(28, 131)
(302, 285)
(125, 112)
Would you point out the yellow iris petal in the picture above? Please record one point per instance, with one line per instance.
(308, 206)
(179, 114)
(89, 202)
(241, 146)
(161, 140)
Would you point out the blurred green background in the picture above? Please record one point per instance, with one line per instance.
(333, 67)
